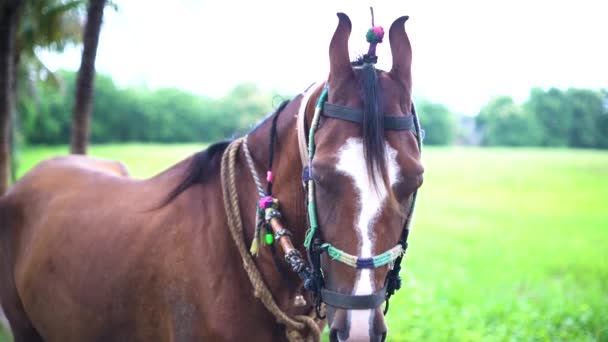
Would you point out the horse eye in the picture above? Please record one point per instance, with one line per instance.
(321, 173)
(321, 179)
(327, 181)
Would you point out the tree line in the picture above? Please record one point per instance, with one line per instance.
(139, 114)
(169, 115)
(552, 118)
(34, 109)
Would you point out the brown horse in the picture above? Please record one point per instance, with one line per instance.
(89, 256)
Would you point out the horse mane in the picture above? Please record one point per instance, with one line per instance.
(204, 162)
(374, 149)
(200, 169)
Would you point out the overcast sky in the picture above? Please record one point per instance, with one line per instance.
(465, 52)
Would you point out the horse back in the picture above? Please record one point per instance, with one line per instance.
(77, 234)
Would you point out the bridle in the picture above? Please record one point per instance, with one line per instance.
(268, 214)
(314, 244)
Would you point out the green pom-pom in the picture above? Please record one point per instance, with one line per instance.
(370, 36)
(375, 35)
(269, 239)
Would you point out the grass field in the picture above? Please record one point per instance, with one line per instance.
(508, 245)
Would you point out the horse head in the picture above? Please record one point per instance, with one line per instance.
(365, 169)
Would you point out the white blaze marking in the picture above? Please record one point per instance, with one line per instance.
(371, 201)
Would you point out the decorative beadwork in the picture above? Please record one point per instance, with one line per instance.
(374, 262)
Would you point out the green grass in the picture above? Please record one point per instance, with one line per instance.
(507, 245)
(5, 334)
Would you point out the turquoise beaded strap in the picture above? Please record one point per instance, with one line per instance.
(374, 262)
(312, 208)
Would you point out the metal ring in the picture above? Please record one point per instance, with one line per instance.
(282, 232)
(272, 213)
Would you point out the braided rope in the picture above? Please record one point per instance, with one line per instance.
(294, 326)
(256, 242)
(254, 173)
(373, 262)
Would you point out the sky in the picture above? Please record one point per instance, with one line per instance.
(464, 52)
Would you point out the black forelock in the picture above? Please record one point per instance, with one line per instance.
(374, 149)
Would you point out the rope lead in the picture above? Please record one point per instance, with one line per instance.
(294, 326)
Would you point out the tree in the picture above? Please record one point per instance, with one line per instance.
(587, 109)
(573, 118)
(438, 122)
(502, 122)
(43, 25)
(550, 110)
(602, 124)
(9, 18)
(83, 103)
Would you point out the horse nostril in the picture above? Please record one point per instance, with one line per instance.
(339, 326)
(380, 329)
(336, 335)
(333, 335)
(378, 337)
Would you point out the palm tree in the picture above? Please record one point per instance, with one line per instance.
(9, 18)
(83, 103)
(49, 25)
(26, 25)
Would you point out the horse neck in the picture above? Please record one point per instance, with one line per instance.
(286, 167)
(287, 188)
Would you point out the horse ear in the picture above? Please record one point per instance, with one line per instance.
(339, 60)
(401, 51)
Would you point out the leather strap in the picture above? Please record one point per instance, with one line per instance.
(354, 302)
(341, 112)
(392, 122)
(301, 122)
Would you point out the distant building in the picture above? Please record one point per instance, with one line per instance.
(468, 132)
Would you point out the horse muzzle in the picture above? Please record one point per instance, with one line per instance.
(357, 325)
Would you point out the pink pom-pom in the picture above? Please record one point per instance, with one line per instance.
(379, 31)
(264, 202)
(374, 35)
(269, 176)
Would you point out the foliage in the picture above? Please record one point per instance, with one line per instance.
(438, 122)
(512, 260)
(505, 123)
(557, 118)
(45, 25)
(548, 108)
(51, 25)
(5, 334)
(171, 115)
(552, 118)
(144, 115)
(587, 111)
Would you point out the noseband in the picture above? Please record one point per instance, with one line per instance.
(313, 241)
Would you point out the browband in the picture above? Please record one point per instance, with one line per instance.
(392, 122)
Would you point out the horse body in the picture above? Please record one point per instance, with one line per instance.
(89, 256)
